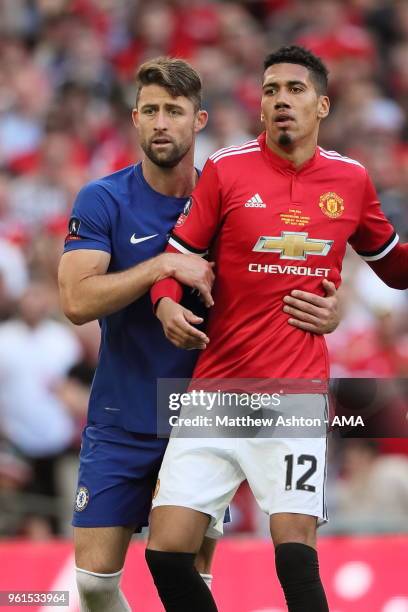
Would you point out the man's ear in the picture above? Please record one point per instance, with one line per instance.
(200, 120)
(135, 117)
(323, 107)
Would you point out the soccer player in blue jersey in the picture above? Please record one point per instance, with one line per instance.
(113, 254)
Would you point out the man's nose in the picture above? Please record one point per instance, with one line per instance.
(161, 121)
(282, 100)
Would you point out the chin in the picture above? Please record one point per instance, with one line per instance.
(285, 139)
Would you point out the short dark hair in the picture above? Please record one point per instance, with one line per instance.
(299, 55)
(176, 76)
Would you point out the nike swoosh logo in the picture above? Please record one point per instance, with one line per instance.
(135, 240)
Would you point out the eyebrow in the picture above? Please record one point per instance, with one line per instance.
(166, 106)
(290, 83)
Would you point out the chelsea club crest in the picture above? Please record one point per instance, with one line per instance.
(82, 499)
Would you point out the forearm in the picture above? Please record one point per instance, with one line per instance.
(168, 287)
(393, 268)
(99, 295)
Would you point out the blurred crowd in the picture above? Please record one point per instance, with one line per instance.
(66, 89)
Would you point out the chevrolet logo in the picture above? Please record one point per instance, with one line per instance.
(292, 245)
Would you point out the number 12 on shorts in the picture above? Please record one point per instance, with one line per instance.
(301, 483)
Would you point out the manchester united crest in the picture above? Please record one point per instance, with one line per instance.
(331, 204)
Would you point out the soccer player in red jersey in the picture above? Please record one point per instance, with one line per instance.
(273, 213)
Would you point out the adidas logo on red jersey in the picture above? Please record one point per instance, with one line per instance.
(255, 202)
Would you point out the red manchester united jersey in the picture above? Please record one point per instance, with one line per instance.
(272, 228)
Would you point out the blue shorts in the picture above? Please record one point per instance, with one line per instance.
(117, 475)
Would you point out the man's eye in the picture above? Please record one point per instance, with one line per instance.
(297, 89)
(174, 112)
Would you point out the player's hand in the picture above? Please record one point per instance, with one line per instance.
(194, 271)
(178, 325)
(311, 312)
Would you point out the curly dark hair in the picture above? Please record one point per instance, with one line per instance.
(299, 55)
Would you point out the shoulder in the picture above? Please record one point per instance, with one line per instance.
(338, 161)
(109, 184)
(102, 196)
(234, 154)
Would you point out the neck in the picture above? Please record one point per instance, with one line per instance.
(177, 182)
(298, 153)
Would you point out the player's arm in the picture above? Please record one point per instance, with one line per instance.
(87, 290)
(378, 244)
(178, 325)
(192, 235)
(308, 311)
(311, 312)
(392, 268)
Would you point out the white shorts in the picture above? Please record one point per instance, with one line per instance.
(284, 474)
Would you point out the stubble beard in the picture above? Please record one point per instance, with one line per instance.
(168, 159)
(285, 139)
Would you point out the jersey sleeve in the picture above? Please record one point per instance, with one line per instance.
(375, 237)
(393, 268)
(198, 223)
(167, 287)
(89, 226)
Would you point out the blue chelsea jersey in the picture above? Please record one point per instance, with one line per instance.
(122, 215)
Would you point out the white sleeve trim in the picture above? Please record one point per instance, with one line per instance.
(183, 249)
(383, 253)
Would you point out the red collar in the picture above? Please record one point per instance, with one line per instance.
(281, 162)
